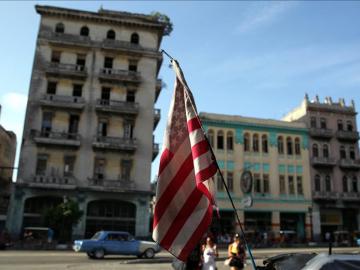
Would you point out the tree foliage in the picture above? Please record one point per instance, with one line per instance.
(160, 17)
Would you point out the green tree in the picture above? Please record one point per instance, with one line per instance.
(61, 219)
(163, 19)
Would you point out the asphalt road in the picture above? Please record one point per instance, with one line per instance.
(56, 260)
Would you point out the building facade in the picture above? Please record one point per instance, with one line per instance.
(88, 132)
(335, 164)
(276, 153)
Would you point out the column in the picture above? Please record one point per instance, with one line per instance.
(316, 225)
(15, 212)
(308, 227)
(275, 225)
(78, 230)
(142, 216)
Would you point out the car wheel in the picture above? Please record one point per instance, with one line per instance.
(99, 253)
(149, 253)
(90, 255)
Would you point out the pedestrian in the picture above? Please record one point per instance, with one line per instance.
(236, 253)
(50, 235)
(210, 252)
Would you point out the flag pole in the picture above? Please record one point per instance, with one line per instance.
(213, 155)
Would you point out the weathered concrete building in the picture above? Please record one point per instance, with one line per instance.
(276, 153)
(88, 132)
(335, 164)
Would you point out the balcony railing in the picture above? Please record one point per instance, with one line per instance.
(109, 184)
(322, 161)
(321, 133)
(157, 115)
(325, 195)
(116, 106)
(349, 164)
(125, 45)
(56, 138)
(55, 181)
(63, 101)
(115, 143)
(350, 196)
(155, 150)
(343, 135)
(118, 75)
(65, 38)
(71, 71)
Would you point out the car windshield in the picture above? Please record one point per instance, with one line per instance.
(96, 236)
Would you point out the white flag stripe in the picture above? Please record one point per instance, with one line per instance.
(196, 136)
(175, 205)
(202, 162)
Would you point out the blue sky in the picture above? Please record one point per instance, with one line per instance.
(246, 58)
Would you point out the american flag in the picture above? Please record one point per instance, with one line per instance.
(185, 188)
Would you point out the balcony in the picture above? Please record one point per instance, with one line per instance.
(350, 196)
(115, 76)
(158, 87)
(155, 150)
(111, 185)
(114, 106)
(66, 39)
(67, 102)
(323, 162)
(157, 115)
(351, 136)
(69, 71)
(126, 46)
(353, 164)
(56, 138)
(325, 195)
(321, 133)
(51, 181)
(115, 143)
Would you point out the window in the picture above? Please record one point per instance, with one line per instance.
(291, 184)
(229, 141)
(325, 151)
(313, 122)
(230, 182)
(340, 125)
(220, 185)
(77, 90)
(327, 183)
(345, 184)
(220, 140)
(73, 125)
(256, 143)
(349, 126)
(84, 31)
(257, 184)
(266, 183)
(342, 152)
(59, 28)
(80, 62)
(322, 123)
(46, 124)
(128, 130)
(297, 146)
(110, 34)
(134, 38)
(126, 165)
(299, 185)
(130, 96)
(317, 183)
(133, 65)
(108, 62)
(264, 144)
(105, 95)
(41, 164)
(282, 184)
(211, 137)
(280, 145)
(247, 142)
(289, 146)
(102, 127)
(315, 150)
(55, 56)
(69, 162)
(354, 184)
(352, 153)
(99, 169)
(51, 88)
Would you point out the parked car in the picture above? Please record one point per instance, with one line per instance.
(115, 243)
(334, 261)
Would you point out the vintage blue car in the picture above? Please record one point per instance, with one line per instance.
(115, 243)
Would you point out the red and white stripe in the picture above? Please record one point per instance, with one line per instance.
(184, 200)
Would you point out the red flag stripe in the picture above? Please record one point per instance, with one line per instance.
(198, 233)
(166, 157)
(199, 149)
(206, 173)
(193, 124)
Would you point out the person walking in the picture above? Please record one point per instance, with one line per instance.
(236, 253)
(210, 252)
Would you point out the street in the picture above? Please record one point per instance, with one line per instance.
(54, 260)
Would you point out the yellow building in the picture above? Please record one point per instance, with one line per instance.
(276, 154)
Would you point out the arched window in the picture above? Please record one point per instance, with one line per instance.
(134, 38)
(297, 146)
(354, 184)
(264, 143)
(220, 140)
(289, 146)
(246, 142)
(317, 183)
(315, 150)
(322, 123)
(84, 31)
(110, 34)
(229, 141)
(349, 126)
(211, 137)
(352, 153)
(59, 28)
(325, 151)
(256, 142)
(327, 183)
(340, 124)
(280, 145)
(313, 122)
(345, 184)
(342, 152)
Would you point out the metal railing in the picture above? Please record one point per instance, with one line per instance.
(112, 183)
(62, 67)
(63, 99)
(321, 132)
(323, 161)
(55, 180)
(115, 142)
(118, 105)
(347, 135)
(55, 135)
